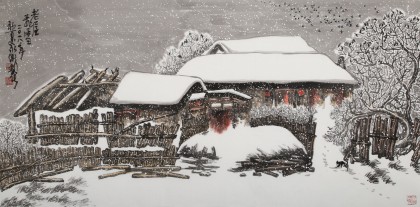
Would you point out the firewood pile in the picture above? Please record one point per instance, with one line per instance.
(286, 163)
(139, 172)
(201, 166)
(195, 153)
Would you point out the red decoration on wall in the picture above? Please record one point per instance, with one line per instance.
(220, 121)
(301, 92)
(286, 98)
(267, 93)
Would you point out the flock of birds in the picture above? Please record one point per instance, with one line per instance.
(331, 18)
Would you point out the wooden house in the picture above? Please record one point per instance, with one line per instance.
(271, 70)
(142, 96)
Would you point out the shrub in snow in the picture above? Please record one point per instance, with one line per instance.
(300, 114)
(192, 45)
(341, 133)
(378, 173)
(12, 136)
(71, 193)
(397, 166)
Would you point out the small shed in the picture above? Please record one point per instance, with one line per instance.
(147, 96)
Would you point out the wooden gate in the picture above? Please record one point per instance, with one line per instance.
(383, 134)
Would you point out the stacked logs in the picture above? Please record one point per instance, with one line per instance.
(270, 167)
(139, 172)
(140, 158)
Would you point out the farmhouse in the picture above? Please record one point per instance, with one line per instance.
(221, 86)
(271, 70)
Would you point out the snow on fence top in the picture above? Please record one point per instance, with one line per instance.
(231, 91)
(266, 68)
(269, 44)
(147, 88)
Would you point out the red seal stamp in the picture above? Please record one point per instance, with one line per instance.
(411, 200)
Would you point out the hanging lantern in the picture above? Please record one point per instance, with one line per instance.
(301, 92)
(267, 93)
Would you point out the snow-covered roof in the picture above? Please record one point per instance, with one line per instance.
(268, 44)
(147, 88)
(231, 91)
(196, 96)
(266, 68)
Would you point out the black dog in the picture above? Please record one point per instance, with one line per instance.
(341, 164)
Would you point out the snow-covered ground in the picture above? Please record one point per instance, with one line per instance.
(236, 144)
(327, 186)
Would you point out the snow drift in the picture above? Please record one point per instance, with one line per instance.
(237, 144)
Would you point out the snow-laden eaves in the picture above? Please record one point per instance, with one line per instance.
(266, 68)
(197, 96)
(268, 44)
(147, 88)
(231, 91)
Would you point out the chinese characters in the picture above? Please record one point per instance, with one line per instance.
(18, 36)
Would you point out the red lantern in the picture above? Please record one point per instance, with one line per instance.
(286, 98)
(301, 92)
(267, 93)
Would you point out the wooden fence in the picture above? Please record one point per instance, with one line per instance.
(305, 133)
(383, 134)
(74, 123)
(140, 158)
(84, 129)
(42, 162)
(146, 135)
(193, 125)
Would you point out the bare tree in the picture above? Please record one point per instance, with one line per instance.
(192, 45)
(384, 57)
(12, 136)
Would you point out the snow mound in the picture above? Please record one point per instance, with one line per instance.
(236, 144)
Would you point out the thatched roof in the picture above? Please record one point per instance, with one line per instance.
(77, 92)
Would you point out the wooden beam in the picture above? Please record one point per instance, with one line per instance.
(69, 135)
(31, 121)
(74, 79)
(49, 180)
(65, 85)
(108, 175)
(38, 94)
